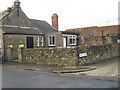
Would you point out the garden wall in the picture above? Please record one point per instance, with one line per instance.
(51, 56)
(97, 53)
(69, 56)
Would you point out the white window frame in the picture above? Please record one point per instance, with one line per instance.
(38, 41)
(73, 37)
(53, 44)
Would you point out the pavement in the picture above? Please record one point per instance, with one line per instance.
(106, 70)
(46, 68)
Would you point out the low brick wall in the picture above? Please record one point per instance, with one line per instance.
(51, 56)
(69, 56)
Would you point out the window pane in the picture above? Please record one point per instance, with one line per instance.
(73, 41)
(53, 40)
(50, 40)
(42, 41)
(70, 41)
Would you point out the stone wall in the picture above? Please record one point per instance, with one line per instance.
(97, 53)
(99, 40)
(69, 56)
(51, 56)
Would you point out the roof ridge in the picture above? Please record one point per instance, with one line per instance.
(38, 20)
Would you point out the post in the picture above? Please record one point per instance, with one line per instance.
(9, 55)
(20, 55)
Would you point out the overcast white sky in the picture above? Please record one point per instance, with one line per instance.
(72, 13)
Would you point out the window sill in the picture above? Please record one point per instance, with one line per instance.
(72, 44)
(52, 45)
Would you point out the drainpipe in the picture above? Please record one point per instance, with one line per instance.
(102, 33)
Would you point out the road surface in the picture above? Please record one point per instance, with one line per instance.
(17, 78)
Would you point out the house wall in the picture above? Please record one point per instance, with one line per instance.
(68, 39)
(15, 40)
(1, 39)
(13, 19)
(58, 39)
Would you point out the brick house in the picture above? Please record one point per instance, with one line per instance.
(18, 31)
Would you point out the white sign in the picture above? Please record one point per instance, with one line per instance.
(82, 54)
(118, 40)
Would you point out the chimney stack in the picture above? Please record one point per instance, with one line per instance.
(55, 21)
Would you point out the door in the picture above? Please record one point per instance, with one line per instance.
(64, 41)
(30, 43)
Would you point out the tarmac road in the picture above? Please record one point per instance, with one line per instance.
(17, 78)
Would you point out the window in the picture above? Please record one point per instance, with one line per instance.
(51, 40)
(72, 40)
(30, 42)
(42, 41)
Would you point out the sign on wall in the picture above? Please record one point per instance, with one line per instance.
(82, 54)
(118, 40)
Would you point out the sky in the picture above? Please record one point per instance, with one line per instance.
(72, 13)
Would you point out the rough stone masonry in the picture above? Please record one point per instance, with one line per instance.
(69, 56)
(51, 56)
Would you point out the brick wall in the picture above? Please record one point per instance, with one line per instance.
(55, 21)
(87, 31)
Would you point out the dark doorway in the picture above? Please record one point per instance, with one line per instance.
(30, 42)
